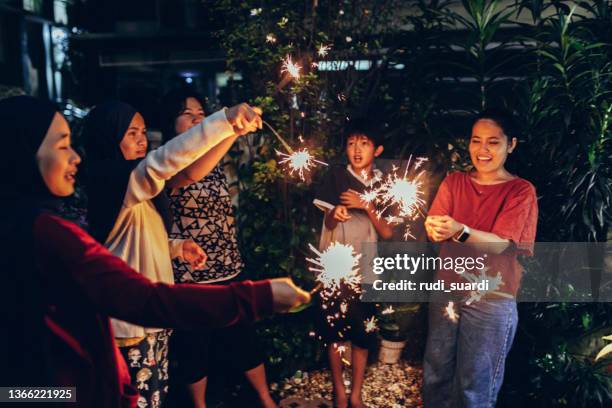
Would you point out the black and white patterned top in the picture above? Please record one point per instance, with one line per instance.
(203, 212)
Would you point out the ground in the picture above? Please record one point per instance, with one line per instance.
(386, 386)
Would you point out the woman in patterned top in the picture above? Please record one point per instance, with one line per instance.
(202, 210)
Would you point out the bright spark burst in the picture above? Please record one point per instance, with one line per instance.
(371, 324)
(388, 310)
(255, 12)
(337, 264)
(300, 161)
(323, 50)
(494, 283)
(290, 67)
(451, 313)
(283, 22)
(343, 307)
(369, 196)
(399, 191)
(271, 38)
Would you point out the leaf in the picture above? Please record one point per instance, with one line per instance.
(604, 351)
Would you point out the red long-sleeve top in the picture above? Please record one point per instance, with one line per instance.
(85, 284)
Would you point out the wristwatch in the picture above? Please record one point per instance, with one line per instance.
(463, 235)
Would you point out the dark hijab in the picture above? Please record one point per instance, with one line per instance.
(24, 122)
(50, 337)
(108, 172)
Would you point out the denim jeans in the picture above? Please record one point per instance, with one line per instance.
(464, 360)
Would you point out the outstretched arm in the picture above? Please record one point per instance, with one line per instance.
(203, 166)
(89, 270)
(244, 119)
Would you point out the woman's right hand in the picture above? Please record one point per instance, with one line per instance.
(244, 118)
(286, 295)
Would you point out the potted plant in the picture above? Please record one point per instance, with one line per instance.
(395, 322)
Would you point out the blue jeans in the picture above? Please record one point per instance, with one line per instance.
(464, 360)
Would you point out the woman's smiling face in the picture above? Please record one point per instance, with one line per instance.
(56, 159)
(489, 146)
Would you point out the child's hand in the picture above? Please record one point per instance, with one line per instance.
(193, 254)
(244, 118)
(286, 296)
(340, 214)
(350, 198)
(441, 227)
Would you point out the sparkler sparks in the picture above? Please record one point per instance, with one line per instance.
(337, 264)
(292, 68)
(271, 38)
(283, 22)
(323, 50)
(493, 283)
(451, 313)
(371, 324)
(399, 191)
(388, 310)
(300, 161)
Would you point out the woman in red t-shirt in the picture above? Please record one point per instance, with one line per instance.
(464, 357)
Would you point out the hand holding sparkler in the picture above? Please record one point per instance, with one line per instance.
(286, 295)
(352, 199)
(244, 118)
(441, 227)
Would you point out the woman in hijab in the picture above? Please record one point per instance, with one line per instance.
(60, 285)
(128, 211)
(202, 209)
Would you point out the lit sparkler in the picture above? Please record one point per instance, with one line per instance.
(371, 324)
(300, 161)
(493, 283)
(340, 349)
(451, 313)
(335, 265)
(290, 67)
(399, 191)
(388, 310)
(279, 137)
(323, 50)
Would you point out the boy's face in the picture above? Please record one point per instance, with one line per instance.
(56, 160)
(361, 152)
